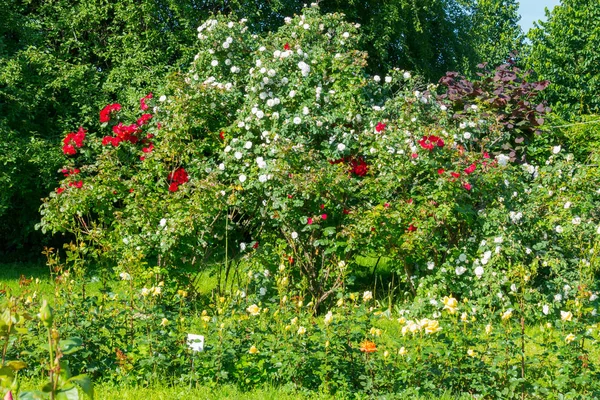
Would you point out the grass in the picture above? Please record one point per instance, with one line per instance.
(10, 274)
(108, 391)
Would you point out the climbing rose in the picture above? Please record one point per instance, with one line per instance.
(429, 142)
(176, 178)
(144, 119)
(143, 104)
(73, 140)
(470, 169)
(359, 167)
(106, 112)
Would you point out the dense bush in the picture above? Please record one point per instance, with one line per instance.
(281, 146)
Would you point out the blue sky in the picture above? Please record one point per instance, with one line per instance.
(533, 10)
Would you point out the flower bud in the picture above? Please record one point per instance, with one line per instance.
(46, 314)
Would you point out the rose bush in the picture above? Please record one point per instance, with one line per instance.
(280, 148)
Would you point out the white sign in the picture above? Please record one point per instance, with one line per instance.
(195, 342)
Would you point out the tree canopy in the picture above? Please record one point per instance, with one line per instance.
(564, 50)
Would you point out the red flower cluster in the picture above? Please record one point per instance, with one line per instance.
(429, 142)
(144, 119)
(380, 127)
(359, 167)
(124, 133)
(77, 184)
(470, 169)
(73, 140)
(143, 104)
(67, 172)
(108, 110)
(176, 178)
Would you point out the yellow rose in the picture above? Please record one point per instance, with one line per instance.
(566, 316)
(432, 326)
(488, 329)
(253, 350)
(253, 309)
(450, 304)
(570, 337)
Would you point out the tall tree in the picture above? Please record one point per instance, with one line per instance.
(494, 31)
(564, 50)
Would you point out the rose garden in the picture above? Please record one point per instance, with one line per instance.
(276, 218)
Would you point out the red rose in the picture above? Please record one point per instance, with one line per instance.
(470, 169)
(428, 142)
(143, 104)
(412, 228)
(455, 174)
(441, 171)
(359, 167)
(309, 221)
(148, 149)
(107, 111)
(323, 217)
(176, 178)
(143, 120)
(69, 150)
(60, 190)
(380, 127)
(286, 46)
(467, 186)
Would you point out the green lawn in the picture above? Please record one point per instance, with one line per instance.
(224, 392)
(10, 275)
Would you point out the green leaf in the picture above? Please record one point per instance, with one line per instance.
(16, 365)
(6, 376)
(85, 383)
(33, 395)
(67, 394)
(70, 346)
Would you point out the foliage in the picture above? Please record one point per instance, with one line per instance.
(223, 166)
(62, 384)
(564, 51)
(495, 32)
(515, 341)
(60, 62)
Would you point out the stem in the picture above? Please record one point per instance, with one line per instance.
(51, 364)
(5, 347)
